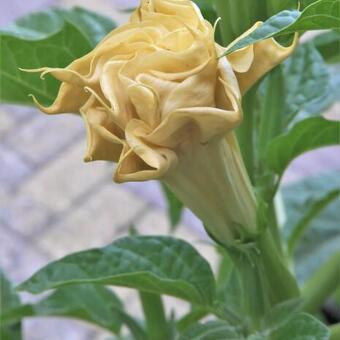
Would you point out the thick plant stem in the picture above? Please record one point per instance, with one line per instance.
(335, 332)
(265, 278)
(156, 324)
(322, 284)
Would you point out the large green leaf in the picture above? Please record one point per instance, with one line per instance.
(213, 330)
(175, 206)
(307, 83)
(322, 238)
(8, 299)
(306, 221)
(302, 327)
(207, 10)
(94, 26)
(274, 6)
(322, 14)
(161, 265)
(91, 303)
(281, 314)
(54, 39)
(238, 16)
(306, 135)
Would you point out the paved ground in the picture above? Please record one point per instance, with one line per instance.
(52, 204)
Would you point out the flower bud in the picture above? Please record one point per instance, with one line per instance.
(157, 99)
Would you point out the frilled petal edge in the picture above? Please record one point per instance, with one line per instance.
(254, 61)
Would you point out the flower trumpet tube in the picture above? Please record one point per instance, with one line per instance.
(157, 100)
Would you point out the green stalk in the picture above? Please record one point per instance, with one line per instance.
(265, 278)
(156, 324)
(322, 284)
(193, 316)
(335, 332)
(275, 230)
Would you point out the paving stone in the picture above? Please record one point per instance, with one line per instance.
(150, 190)
(45, 137)
(6, 122)
(20, 114)
(13, 168)
(61, 182)
(97, 222)
(9, 11)
(19, 257)
(22, 213)
(56, 329)
(313, 163)
(334, 112)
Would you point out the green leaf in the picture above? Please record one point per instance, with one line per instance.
(161, 265)
(90, 303)
(281, 314)
(302, 327)
(314, 210)
(322, 238)
(54, 39)
(230, 294)
(307, 83)
(213, 330)
(175, 206)
(207, 10)
(238, 16)
(328, 44)
(306, 3)
(322, 14)
(321, 285)
(8, 299)
(35, 26)
(274, 6)
(305, 136)
(257, 337)
(93, 25)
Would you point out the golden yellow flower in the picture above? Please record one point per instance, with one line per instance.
(157, 100)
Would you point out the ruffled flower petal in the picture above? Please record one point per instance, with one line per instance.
(252, 62)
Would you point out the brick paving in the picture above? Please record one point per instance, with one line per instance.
(52, 204)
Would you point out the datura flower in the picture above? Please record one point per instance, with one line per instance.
(157, 99)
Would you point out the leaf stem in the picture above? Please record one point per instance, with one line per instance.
(192, 317)
(322, 284)
(156, 323)
(265, 278)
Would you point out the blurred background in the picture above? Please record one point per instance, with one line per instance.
(52, 204)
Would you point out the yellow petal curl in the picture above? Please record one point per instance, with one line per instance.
(252, 62)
